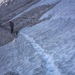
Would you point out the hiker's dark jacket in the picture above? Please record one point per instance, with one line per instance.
(11, 24)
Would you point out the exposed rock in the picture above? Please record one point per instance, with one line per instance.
(11, 73)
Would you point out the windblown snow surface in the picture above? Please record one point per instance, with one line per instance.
(47, 48)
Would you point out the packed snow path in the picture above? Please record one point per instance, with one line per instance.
(50, 66)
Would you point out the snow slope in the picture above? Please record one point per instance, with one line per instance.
(56, 36)
(47, 48)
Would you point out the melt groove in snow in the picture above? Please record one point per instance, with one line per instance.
(50, 66)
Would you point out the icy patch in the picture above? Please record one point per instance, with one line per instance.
(50, 66)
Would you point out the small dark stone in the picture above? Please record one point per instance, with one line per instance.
(11, 73)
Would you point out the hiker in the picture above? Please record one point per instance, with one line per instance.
(12, 26)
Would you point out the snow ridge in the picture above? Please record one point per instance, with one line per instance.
(50, 66)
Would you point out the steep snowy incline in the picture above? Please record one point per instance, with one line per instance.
(56, 36)
(48, 48)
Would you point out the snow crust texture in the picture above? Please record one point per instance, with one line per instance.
(47, 48)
